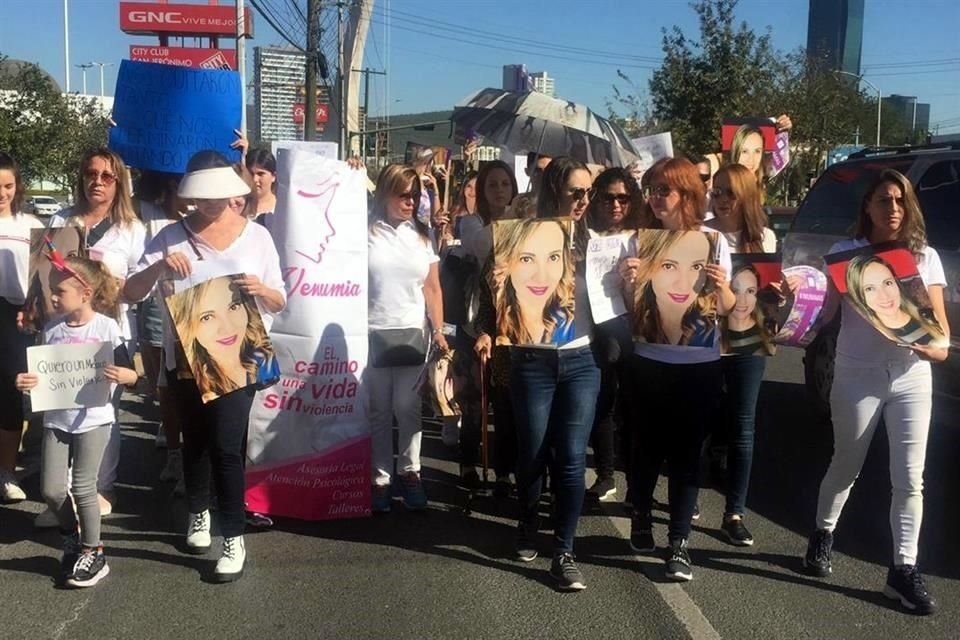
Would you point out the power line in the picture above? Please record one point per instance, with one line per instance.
(263, 14)
(299, 11)
(914, 73)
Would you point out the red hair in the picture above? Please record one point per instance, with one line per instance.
(683, 176)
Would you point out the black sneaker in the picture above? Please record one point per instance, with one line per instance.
(502, 488)
(71, 553)
(904, 583)
(817, 561)
(526, 547)
(641, 533)
(696, 512)
(736, 532)
(603, 490)
(564, 570)
(678, 562)
(91, 567)
(470, 479)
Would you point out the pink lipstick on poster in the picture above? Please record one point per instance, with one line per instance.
(538, 291)
(679, 298)
(228, 342)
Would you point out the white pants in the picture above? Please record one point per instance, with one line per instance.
(391, 392)
(902, 394)
(111, 456)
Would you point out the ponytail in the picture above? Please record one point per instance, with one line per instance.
(106, 288)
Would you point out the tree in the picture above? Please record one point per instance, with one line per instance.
(44, 130)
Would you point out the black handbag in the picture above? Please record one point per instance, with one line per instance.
(397, 348)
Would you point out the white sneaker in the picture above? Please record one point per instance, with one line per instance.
(173, 469)
(10, 490)
(450, 432)
(161, 440)
(230, 564)
(198, 533)
(46, 519)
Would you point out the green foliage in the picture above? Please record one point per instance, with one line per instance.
(45, 131)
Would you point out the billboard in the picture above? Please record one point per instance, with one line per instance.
(149, 18)
(322, 113)
(195, 57)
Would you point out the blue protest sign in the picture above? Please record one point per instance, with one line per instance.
(165, 114)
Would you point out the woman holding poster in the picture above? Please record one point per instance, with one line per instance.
(215, 240)
(675, 351)
(14, 257)
(738, 214)
(404, 280)
(554, 377)
(876, 378)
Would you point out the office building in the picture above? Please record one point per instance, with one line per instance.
(278, 85)
(914, 114)
(835, 33)
(516, 78)
(543, 83)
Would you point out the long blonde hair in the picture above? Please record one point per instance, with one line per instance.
(106, 288)
(208, 373)
(122, 212)
(652, 245)
(749, 206)
(559, 309)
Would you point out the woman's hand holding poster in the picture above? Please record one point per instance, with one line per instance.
(673, 302)
(751, 325)
(882, 284)
(533, 281)
(223, 337)
(804, 291)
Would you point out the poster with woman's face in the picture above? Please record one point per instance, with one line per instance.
(533, 281)
(223, 337)
(882, 284)
(751, 325)
(673, 303)
(61, 241)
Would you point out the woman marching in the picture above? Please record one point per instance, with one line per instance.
(84, 295)
(676, 372)
(15, 243)
(217, 237)
(554, 390)
(404, 289)
(874, 379)
(739, 217)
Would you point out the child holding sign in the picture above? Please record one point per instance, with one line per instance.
(84, 296)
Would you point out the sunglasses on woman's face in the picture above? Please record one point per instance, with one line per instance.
(407, 195)
(716, 192)
(610, 198)
(579, 194)
(705, 177)
(92, 175)
(660, 191)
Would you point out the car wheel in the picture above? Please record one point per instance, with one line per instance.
(818, 372)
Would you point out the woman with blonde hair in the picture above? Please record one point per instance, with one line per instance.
(737, 201)
(674, 351)
(115, 236)
(404, 290)
(874, 379)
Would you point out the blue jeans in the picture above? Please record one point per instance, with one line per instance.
(554, 398)
(742, 376)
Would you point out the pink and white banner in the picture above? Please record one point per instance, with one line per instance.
(309, 442)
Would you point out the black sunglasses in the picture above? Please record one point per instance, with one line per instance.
(610, 198)
(580, 193)
(716, 192)
(661, 191)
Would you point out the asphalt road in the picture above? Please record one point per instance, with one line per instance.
(447, 574)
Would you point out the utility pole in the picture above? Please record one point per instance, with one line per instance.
(83, 69)
(66, 47)
(366, 107)
(341, 85)
(242, 64)
(102, 65)
(313, 46)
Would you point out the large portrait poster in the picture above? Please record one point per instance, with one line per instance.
(750, 327)
(673, 302)
(882, 284)
(308, 445)
(223, 337)
(533, 281)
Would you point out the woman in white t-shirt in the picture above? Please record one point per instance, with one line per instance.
(739, 217)
(216, 240)
(404, 280)
(115, 237)
(676, 388)
(876, 378)
(14, 261)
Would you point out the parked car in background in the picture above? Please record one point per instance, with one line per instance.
(43, 206)
(828, 214)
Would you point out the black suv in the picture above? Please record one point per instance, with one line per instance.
(829, 212)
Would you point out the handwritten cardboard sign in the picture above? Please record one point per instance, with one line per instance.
(604, 285)
(165, 114)
(71, 375)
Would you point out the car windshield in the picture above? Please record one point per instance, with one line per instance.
(832, 205)
(44, 200)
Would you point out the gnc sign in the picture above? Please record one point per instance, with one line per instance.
(147, 18)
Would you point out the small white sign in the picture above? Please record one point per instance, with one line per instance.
(603, 280)
(70, 375)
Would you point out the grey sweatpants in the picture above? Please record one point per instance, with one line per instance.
(83, 453)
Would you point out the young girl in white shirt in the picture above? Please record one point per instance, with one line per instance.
(84, 295)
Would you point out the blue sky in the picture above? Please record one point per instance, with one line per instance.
(435, 50)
